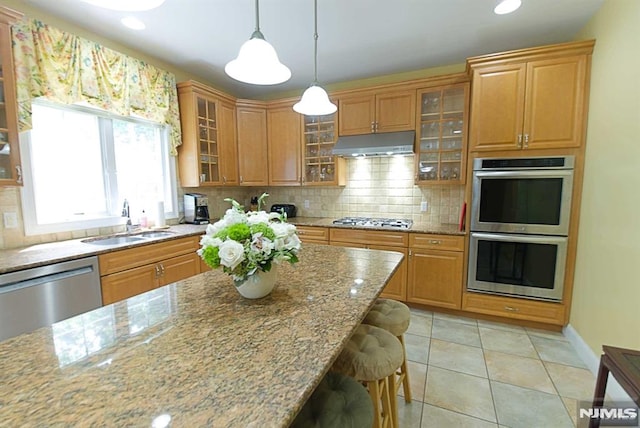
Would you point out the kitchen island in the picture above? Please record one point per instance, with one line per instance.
(195, 353)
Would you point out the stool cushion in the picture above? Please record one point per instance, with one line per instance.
(370, 354)
(338, 401)
(390, 315)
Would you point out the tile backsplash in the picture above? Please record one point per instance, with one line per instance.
(376, 187)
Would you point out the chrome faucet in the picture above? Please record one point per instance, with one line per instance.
(126, 213)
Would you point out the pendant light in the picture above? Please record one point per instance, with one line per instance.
(506, 6)
(315, 101)
(257, 62)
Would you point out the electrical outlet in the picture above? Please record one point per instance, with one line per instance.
(306, 203)
(10, 220)
(423, 206)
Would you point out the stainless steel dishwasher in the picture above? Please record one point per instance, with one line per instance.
(37, 297)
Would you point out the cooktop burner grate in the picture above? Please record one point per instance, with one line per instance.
(396, 223)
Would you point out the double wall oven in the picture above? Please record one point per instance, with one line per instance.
(520, 213)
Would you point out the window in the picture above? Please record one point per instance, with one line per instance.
(80, 165)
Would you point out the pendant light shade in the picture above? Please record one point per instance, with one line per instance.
(257, 62)
(315, 101)
(506, 6)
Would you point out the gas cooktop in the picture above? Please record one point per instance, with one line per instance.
(396, 223)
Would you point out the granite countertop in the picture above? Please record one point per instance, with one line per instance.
(195, 351)
(442, 229)
(54, 252)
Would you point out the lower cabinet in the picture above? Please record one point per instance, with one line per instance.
(378, 240)
(509, 307)
(313, 234)
(435, 270)
(133, 271)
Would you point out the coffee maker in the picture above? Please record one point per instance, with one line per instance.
(196, 208)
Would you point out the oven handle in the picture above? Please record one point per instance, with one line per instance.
(526, 173)
(536, 239)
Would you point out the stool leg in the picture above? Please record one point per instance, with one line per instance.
(404, 373)
(374, 392)
(387, 406)
(393, 399)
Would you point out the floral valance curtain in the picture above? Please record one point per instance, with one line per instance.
(67, 69)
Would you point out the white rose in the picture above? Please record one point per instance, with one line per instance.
(233, 216)
(283, 230)
(231, 254)
(258, 217)
(209, 241)
(260, 244)
(216, 227)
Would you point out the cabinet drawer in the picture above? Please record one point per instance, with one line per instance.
(117, 261)
(530, 310)
(436, 242)
(313, 234)
(369, 237)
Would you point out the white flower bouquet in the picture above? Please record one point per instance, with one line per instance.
(243, 243)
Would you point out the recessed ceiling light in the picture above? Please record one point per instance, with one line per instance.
(126, 5)
(507, 6)
(133, 23)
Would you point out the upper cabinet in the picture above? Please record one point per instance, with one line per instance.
(530, 99)
(285, 150)
(208, 154)
(370, 112)
(253, 157)
(10, 167)
(442, 115)
(320, 166)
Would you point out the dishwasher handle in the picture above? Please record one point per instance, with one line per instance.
(32, 282)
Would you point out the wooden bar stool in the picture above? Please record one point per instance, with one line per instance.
(338, 401)
(394, 317)
(372, 355)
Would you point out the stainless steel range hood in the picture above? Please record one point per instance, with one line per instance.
(382, 144)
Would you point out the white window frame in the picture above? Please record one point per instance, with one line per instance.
(31, 226)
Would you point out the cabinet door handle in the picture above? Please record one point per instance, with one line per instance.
(241, 180)
(410, 253)
(18, 174)
(161, 269)
(376, 126)
(519, 141)
(526, 140)
(157, 271)
(511, 309)
(435, 242)
(224, 179)
(373, 127)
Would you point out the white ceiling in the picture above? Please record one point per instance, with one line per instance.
(357, 38)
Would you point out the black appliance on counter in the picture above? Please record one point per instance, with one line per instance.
(196, 208)
(289, 209)
(395, 223)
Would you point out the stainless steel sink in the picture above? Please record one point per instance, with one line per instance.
(114, 240)
(155, 234)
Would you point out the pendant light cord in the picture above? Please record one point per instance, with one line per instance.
(257, 17)
(315, 42)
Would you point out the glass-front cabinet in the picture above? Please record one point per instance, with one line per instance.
(442, 134)
(320, 166)
(208, 155)
(10, 169)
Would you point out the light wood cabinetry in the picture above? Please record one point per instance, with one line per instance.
(313, 234)
(10, 166)
(285, 150)
(378, 240)
(523, 309)
(320, 167)
(530, 99)
(435, 270)
(208, 155)
(253, 157)
(367, 112)
(442, 117)
(136, 270)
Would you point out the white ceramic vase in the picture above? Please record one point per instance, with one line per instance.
(258, 285)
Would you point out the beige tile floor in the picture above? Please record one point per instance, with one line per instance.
(474, 373)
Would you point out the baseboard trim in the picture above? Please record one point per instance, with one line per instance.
(614, 390)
